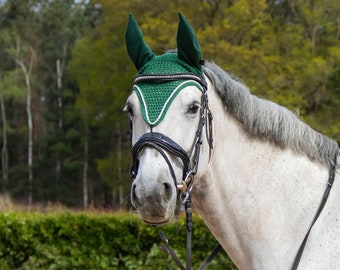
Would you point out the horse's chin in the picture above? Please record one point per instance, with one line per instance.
(157, 223)
(160, 220)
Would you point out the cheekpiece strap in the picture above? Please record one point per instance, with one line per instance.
(161, 78)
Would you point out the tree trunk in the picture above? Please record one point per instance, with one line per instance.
(85, 169)
(60, 124)
(60, 100)
(27, 73)
(60, 68)
(4, 151)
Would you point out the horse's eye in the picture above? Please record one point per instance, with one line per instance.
(193, 109)
(128, 108)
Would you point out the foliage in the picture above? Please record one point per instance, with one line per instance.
(65, 240)
(285, 51)
(49, 29)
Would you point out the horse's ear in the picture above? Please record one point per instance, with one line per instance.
(187, 44)
(138, 50)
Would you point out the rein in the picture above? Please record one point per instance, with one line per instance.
(190, 160)
(321, 206)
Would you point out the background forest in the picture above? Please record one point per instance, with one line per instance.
(65, 75)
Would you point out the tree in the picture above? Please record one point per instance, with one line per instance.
(56, 40)
(23, 55)
(49, 28)
(311, 57)
(27, 71)
(102, 74)
(4, 150)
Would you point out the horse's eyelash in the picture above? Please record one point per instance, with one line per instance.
(194, 107)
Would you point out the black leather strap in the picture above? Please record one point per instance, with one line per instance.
(158, 141)
(212, 255)
(322, 204)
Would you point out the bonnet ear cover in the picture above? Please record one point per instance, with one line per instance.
(187, 44)
(138, 50)
(156, 95)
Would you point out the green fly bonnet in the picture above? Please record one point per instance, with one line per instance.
(161, 77)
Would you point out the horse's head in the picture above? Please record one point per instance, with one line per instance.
(168, 109)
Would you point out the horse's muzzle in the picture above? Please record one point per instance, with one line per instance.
(155, 206)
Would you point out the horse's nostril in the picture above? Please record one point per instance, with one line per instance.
(167, 192)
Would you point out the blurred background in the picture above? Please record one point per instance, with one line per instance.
(65, 75)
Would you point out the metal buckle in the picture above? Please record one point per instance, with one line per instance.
(186, 186)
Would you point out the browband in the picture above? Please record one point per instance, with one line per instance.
(161, 78)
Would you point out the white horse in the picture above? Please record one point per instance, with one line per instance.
(258, 190)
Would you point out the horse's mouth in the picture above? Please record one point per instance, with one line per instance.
(158, 222)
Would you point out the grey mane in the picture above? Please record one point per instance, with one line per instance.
(267, 120)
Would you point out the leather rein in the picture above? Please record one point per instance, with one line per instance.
(190, 160)
(321, 206)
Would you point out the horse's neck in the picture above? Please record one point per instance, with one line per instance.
(257, 199)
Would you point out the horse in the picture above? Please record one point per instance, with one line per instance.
(264, 182)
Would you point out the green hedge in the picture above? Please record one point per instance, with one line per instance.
(68, 240)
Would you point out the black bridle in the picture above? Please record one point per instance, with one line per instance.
(190, 159)
(165, 145)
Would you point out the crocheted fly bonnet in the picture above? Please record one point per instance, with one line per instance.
(161, 77)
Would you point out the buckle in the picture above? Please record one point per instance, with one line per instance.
(185, 186)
